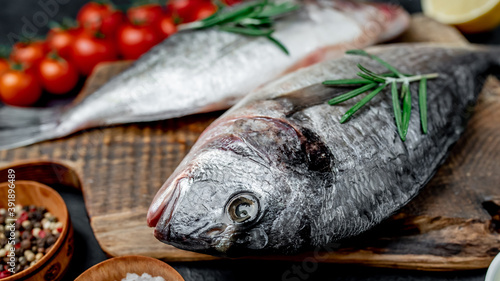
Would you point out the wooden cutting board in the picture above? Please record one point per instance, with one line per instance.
(453, 224)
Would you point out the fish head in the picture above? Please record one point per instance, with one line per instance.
(214, 208)
(236, 194)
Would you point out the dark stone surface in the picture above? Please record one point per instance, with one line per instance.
(13, 18)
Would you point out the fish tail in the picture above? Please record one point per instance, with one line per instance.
(24, 126)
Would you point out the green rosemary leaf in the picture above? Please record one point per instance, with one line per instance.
(346, 82)
(362, 102)
(213, 16)
(222, 17)
(392, 75)
(405, 88)
(402, 99)
(357, 52)
(352, 94)
(371, 78)
(371, 73)
(257, 22)
(374, 57)
(252, 19)
(277, 10)
(279, 44)
(397, 109)
(422, 103)
(247, 31)
(354, 81)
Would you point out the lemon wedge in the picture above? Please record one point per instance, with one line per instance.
(470, 16)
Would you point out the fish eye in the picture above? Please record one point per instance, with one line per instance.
(242, 208)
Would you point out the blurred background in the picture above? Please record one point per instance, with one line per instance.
(13, 12)
(13, 17)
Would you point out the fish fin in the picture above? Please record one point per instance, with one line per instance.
(24, 126)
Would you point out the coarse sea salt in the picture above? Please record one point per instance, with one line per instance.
(143, 277)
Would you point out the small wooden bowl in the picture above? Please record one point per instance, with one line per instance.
(116, 269)
(53, 265)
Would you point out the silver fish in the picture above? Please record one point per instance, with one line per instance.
(279, 174)
(209, 70)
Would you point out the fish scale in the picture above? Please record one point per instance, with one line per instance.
(367, 172)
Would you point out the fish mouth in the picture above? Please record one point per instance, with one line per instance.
(165, 202)
(214, 240)
(220, 240)
(162, 225)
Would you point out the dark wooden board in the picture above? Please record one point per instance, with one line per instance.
(453, 224)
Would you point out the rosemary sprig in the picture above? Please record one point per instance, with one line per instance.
(251, 19)
(422, 103)
(401, 101)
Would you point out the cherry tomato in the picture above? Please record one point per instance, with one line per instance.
(90, 15)
(60, 40)
(150, 14)
(166, 27)
(184, 9)
(204, 11)
(19, 88)
(87, 51)
(100, 17)
(30, 53)
(112, 22)
(4, 66)
(57, 75)
(135, 40)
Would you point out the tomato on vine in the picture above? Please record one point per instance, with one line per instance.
(184, 10)
(166, 27)
(90, 49)
(19, 87)
(100, 17)
(135, 40)
(149, 14)
(29, 53)
(57, 75)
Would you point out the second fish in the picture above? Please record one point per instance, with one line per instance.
(208, 70)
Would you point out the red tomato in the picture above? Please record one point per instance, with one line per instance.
(4, 66)
(90, 15)
(184, 9)
(135, 40)
(112, 22)
(57, 75)
(166, 27)
(60, 40)
(150, 14)
(204, 11)
(30, 53)
(100, 17)
(87, 51)
(19, 88)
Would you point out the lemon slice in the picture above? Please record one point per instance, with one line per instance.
(470, 16)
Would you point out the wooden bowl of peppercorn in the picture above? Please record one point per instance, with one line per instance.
(43, 234)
